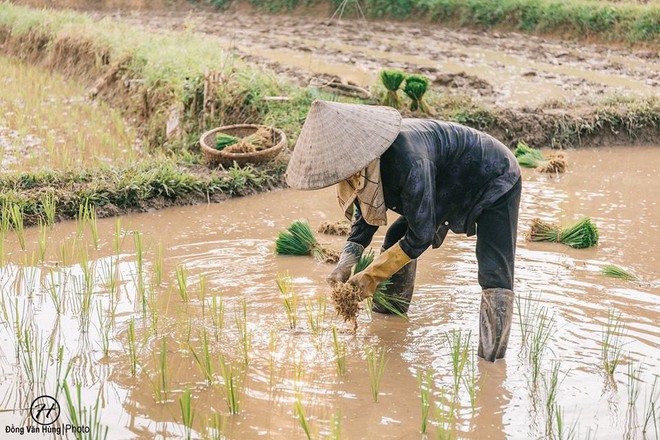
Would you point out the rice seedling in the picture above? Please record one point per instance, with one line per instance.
(160, 385)
(87, 416)
(203, 360)
(158, 265)
(132, 347)
(376, 364)
(459, 348)
(217, 316)
(316, 314)
(54, 292)
(392, 80)
(444, 419)
(216, 428)
(633, 381)
(104, 326)
(299, 239)
(118, 237)
(223, 140)
(342, 227)
(416, 87)
(522, 149)
(612, 342)
(561, 431)
(139, 257)
(48, 204)
(526, 314)
(187, 412)
(609, 270)
(244, 335)
(299, 411)
(43, 241)
(582, 234)
(18, 222)
(551, 385)
(182, 283)
(539, 341)
(335, 427)
(289, 299)
(470, 380)
(650, 409)
(61, 374)
(425, 382)
(233, 384)
(34, 356)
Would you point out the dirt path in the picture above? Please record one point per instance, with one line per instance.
(505, 69)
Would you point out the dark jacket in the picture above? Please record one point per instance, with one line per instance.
(439, 176)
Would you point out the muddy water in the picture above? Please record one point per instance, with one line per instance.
(228, 248)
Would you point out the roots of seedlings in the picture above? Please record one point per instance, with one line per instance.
(260, 140)
(556, 164)
(347, 302)
(326, 255)
(335, 228)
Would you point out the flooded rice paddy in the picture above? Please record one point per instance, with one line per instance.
(153, 322)
(43, 115)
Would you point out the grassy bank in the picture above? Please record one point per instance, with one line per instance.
(628, 22)
(154, 183)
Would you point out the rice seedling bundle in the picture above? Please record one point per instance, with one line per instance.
(582, 234)
(334, 228)
(529, 157)
(259, 140)
(299, 239)
(392, 80)
(416, 87)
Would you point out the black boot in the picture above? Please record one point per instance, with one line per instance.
(495, 323)
(400, 288)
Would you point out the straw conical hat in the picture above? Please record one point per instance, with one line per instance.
(338, 140)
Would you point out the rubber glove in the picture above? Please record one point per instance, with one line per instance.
(383, 267)
(349, 256)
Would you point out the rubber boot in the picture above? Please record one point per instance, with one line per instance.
(495, 323)
(401, 287)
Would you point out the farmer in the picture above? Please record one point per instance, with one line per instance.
(438, 176)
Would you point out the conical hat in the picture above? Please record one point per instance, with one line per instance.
(338, 140)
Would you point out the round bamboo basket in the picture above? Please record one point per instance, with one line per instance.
(215, 157)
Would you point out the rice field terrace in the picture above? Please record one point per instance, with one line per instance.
(126, 313)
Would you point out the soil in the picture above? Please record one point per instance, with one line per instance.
(504, 69)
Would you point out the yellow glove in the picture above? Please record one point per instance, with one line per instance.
(383, 267)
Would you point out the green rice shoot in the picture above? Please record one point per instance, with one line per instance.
(582, 234)
(392, 80)
(612, 271)
(223, 140)
(416, 87)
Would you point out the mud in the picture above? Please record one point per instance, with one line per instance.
(506, 69)
(230, 247)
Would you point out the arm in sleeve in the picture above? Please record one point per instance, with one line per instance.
(418, 199)
(361, 231)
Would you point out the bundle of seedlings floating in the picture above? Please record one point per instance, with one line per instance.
(416, 87)
(612, 271)
(258, 141)
(299, 239)
(392, 80)
(529, 157)
(582, 234)
(347, 297)
(335, 228)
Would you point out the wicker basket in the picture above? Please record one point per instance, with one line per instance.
(207, 142)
